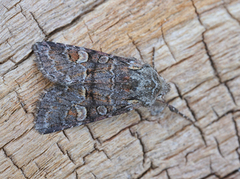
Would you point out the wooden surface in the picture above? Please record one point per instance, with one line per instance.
(195, 45)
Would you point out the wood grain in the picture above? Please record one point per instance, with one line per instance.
(193, 44)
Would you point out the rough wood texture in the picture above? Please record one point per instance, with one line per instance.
(194, 44)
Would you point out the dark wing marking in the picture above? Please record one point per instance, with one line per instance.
(64, 107)
(56, 110)
(60, 63)
(69, 65)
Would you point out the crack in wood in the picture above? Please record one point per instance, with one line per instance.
(232, 173)
(145, 172)
(65, 134)
(39, 26)
(238, 137)
(186, 156)
(200, 131)
(135, 45)
(73, 21)
(220, 117)
(122, 130)
(205, 45)
(20, 169)
(60, 148)
(229, 13)
(142, 145)
(20, 101)
(231, 94)
(102, 150)
(169, 48)
(22, 12)
(90, 37)
(70, 158)
(218, 147)
(191, 111)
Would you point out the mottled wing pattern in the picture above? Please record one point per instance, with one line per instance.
(71, 65)
(91, 86)
(57, 110)
(63, 107)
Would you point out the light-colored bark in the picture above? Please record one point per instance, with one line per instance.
(193, 44)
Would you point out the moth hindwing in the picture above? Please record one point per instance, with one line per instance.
(92, 85)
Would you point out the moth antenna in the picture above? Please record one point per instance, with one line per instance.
(175, 110)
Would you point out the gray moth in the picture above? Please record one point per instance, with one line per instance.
(92, 85)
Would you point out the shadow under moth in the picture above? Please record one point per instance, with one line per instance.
(92, 85)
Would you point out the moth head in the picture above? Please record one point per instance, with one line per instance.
(159, 104)
(147, 85)
(165, 87)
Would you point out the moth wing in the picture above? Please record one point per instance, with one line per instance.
(64, 107)
(56, 110)
(60, 63)
(69, 65)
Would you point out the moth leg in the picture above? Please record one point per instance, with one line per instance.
(157, 107)
(122, 111)
(175, 110)
(160, 105)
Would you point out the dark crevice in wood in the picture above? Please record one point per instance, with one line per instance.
(231, 94)
(126, 128)
(70, 158)
(220, 117)
(18, 63)
(39, 26)
(186, 156)
(145, 172)
(232, 173)
(135, 45)
(169, 49)
(205, 45)
(23, 12)
(90, 132)
(178, 90)
(64, 133)
(60, 148)
(142, 146)
(192, 112)
(13, 162)
(176, 63)
(78, 18)
(236, 130)
(90, 37)
(218, 147)
(215, 112)
(20, 101)
(102, 150)
(168, 174)
(230, 14)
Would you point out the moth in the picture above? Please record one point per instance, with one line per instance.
(92, 85)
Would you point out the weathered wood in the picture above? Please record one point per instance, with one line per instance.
(193, 44)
